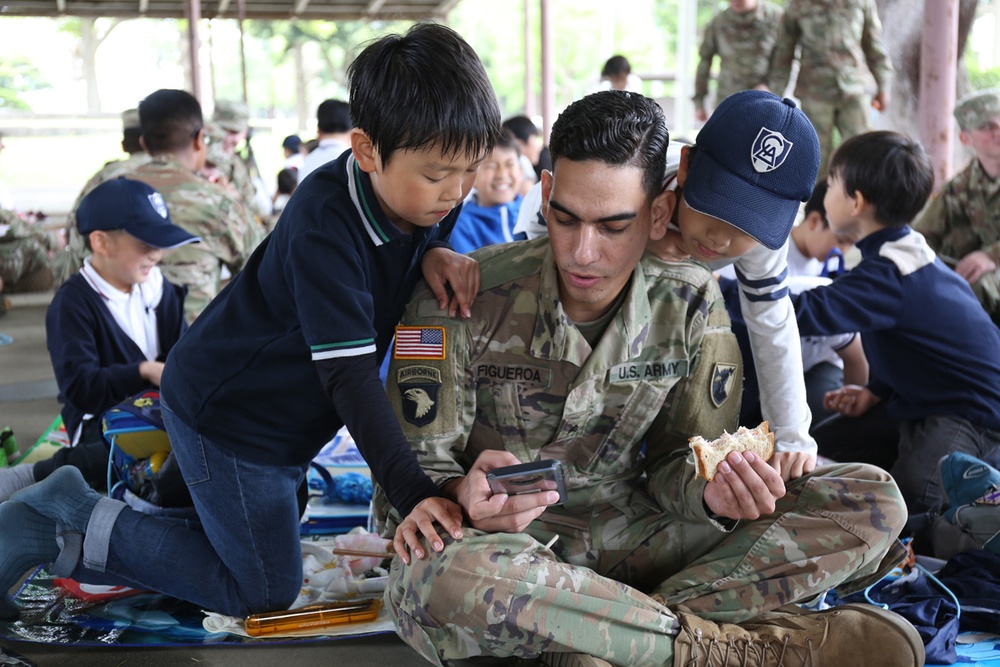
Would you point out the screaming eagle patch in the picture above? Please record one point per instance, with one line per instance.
(419, 387)
(723, 379)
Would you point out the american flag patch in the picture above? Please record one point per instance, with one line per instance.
(419, 343)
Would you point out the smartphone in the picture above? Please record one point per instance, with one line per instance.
(535, 477)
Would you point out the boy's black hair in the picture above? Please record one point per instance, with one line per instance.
(521, 127)
(509, 141)
(169, 120)
(333, 117)
(617, 65)
(616, 128)
(891, 170)
(288, 179)
(815, 203)
(422, 88)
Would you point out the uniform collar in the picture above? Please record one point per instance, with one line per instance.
(556, 338)
(980, 181)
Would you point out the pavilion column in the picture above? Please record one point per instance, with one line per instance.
(192, 10)
(938, 55)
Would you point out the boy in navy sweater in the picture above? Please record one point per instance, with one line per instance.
(289, 352)
(110, 326)
(934, 354)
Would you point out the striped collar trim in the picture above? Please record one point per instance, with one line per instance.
(365, 203)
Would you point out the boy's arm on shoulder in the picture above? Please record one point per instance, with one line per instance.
(777, 351)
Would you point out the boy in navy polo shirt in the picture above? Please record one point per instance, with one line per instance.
(290, 350)
(110, 326)
(934, 353)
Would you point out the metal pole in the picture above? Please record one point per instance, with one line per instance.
(241, 8)
(548, 73)
(938, 58)
(193, 10)
(529, 64)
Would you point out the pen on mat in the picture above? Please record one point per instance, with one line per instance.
(312, 618)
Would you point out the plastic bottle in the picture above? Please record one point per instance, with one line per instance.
(143, 471)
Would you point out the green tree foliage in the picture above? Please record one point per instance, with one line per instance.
(18, 75)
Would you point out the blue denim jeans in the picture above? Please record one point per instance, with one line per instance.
(246, 559)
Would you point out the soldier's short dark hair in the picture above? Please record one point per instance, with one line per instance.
(891, 170)
(423, 88)
(169, 119)
(617, 128)
(333, 117)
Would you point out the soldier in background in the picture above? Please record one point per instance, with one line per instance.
(838, 40)
(69, 261)
(233, 118)
(174, 134)
(743, 36)
(24, 257)
(962, 222)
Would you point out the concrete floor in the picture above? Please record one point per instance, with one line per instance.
(28, 404)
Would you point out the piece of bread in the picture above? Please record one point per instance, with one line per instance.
(708, 455)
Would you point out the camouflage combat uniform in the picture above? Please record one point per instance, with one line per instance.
(838, 39)
(24, 250)
(68, 262)
(965, 216)
(743, 42)
(518, 375)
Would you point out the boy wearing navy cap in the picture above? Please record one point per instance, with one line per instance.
(289, 352)
(739, 189)
(110, 326)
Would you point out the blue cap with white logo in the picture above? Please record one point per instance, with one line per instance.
(133, 206)
(756, 161)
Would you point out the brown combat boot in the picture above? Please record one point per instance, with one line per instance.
(851, 635)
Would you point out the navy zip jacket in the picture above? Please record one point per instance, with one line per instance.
(931, 347)
(96, 364)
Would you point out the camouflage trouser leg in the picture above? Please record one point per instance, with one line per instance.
(505, 594)
(19, 258)
(832, 526)
(849, 116)
(987, 290)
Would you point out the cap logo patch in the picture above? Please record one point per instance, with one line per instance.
(160, 206)
(769, 150)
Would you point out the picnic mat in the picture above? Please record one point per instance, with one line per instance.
(53, 614)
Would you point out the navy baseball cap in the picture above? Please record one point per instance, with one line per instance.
(292, 142)
(756, 161)
(132, 206)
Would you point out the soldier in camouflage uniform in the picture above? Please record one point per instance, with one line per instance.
(233, 118)
(583, 349)
(69, 261)
(838, 40)
(24, 251)
(743, 36)
(962, 222)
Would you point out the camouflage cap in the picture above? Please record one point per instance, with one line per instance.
(977, 109)
(231, 116)
(130, 119)
(216, 154)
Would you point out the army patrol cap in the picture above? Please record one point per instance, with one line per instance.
(231, 116)
(756, 161)
(134, 207)
(975, 110)
(130, 119)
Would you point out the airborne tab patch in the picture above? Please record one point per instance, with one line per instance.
(419, 343)
(723, 379)
(418, 389)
